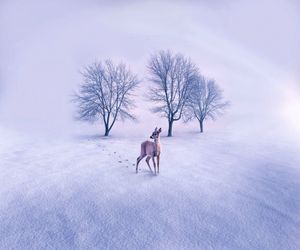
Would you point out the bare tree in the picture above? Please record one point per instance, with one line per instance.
(206, 101)
(172, 76)
(106, 93)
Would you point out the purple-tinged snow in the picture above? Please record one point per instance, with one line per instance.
(215, 191)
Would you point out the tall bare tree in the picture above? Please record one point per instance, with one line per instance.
(106, 93)
(172, 77)
(206, 101)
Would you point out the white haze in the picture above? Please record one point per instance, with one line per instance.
(251, 48)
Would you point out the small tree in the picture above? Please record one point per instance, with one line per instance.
(106, 93)
(206, 101)
(172, 76)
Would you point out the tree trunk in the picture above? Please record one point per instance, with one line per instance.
(106, 131)
(170, 128)
(201, 126)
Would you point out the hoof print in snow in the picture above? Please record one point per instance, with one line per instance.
(120, 161)
(115, 152)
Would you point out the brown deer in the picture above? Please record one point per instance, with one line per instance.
(151, 150)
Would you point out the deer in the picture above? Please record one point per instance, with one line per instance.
(151, 150)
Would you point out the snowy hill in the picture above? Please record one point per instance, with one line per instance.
(213, 192)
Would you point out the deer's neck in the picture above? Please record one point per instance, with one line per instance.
(157, 146)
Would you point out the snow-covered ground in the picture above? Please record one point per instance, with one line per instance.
(215, 191)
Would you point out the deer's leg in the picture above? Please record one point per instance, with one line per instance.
(158, 158)
(147, 160)
(138, 161)
(153, 160)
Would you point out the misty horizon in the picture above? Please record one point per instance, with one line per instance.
(249, 48)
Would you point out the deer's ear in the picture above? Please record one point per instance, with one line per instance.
(155, 129)
(159, 130)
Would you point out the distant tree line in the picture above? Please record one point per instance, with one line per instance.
(178, 91)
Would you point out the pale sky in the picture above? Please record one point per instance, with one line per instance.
(251, 48)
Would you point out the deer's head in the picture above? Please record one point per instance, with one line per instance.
(155, 133)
